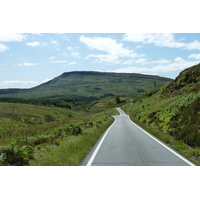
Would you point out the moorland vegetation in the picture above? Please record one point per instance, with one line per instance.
(57, 123)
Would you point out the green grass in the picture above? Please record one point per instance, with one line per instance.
(72, 150)
(38, 135)
(22, 120)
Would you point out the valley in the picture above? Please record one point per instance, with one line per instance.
(58, 122)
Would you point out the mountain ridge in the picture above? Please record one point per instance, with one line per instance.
(91, 83)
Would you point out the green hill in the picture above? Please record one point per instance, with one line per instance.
(88, 84)
(174, 109)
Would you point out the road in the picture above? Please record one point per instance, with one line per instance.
(126, 144)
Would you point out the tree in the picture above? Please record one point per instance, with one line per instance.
(118, 100)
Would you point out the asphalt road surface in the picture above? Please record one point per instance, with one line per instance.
(126, 144)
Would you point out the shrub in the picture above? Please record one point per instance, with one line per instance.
(16, 155)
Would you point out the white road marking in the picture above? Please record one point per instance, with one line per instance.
(178, 155)
(99, 145)
(123, 113)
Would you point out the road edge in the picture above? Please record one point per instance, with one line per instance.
(89, 163)
(163, 144)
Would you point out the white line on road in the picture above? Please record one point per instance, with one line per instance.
(181, 157)
(99, 145)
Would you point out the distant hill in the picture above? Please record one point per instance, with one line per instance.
(87, 84)
(175, 108)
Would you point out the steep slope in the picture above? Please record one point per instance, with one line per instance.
(99, 84)
(175, 108)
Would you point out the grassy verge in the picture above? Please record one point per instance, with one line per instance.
(192, 154)
(38, 135)
(72, 149)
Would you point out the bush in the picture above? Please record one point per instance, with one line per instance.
(16, 155)
(49, 118)
(72, 129)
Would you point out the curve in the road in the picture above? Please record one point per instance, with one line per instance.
(127, 144)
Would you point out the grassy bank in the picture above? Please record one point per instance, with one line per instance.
(38, 135)
(72, 149)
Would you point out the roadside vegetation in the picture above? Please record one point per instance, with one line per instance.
(61, 130)
(172, 113)
(40, 135)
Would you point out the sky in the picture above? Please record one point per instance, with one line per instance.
(28, 60)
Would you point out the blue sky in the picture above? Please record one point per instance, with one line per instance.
(27, 60)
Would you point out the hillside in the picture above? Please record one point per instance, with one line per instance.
(177, 109)
(88, 84)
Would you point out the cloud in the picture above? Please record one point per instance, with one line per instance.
(45, 80)
(105, 58)
(59, 61)
(193, 45)
(178, 64)
(134, 69)
(54, 42)
(113, 49)
(194, 56)
(141, 61)
(28, 64)
(33, 44)
(18, 84)
(52, 57)
(161, 61)
(159, 39)
(3, 47)
(72, 63)
(74, 52)
(12, 37)
(129, 62)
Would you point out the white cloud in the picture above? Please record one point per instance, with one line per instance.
(134, 69)
(33, 44)
(12, 37)
(178, 64)
(141, 61)
(45, 80)
(28, 64)
(18, 84)
(161, 61)
(59, 61)
(105, 58)
(69, 48)
(54, 42)
(194, 56)
(72, 63)
(193, 45)
(52, 57)
(113, 49)
(129, 62)
(3, 47)
(159, 39)
(73, 51)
